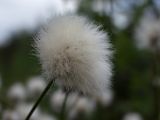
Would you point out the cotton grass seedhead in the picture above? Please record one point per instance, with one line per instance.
(132, 116)
(148, 34)
(85, 104)
(83, 107)
(56, 100)
(10, 115)
(106, 99)
(71, 100)
(35, 85)
(76, 53)
(17, 93)
(58, 97)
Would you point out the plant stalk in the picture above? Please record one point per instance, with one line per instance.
(39, 99)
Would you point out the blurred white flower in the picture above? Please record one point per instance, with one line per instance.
(110, 8)
(35, 85)
(84, 105)
(10, 115)
(17, 93)
(98, 6)
(56, 100)
(132, 116)
(24, 108)
(71, 100)
(107, 98)
(147, 34)
(120, 20)
(76, 53)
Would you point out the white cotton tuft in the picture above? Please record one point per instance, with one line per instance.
(76, 53)
(147, 34)
(106, 99)
(17, 93)
(10, 115)
(35, 85)
(132, 116)
(56, 100)
(83, 106)
(71, 100)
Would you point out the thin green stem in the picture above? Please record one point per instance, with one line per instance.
(39, 99)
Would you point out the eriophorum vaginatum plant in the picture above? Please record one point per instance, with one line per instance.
(147, 34)
(76, 53)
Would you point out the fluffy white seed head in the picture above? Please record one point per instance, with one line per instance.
(10, 115)
(83, 106)
(17, 93)
(35, 85)
(148, 33)
(71, 100)
(56, 100)
(100, 6)
(76, 53)
(106, 98)
(132, 116)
